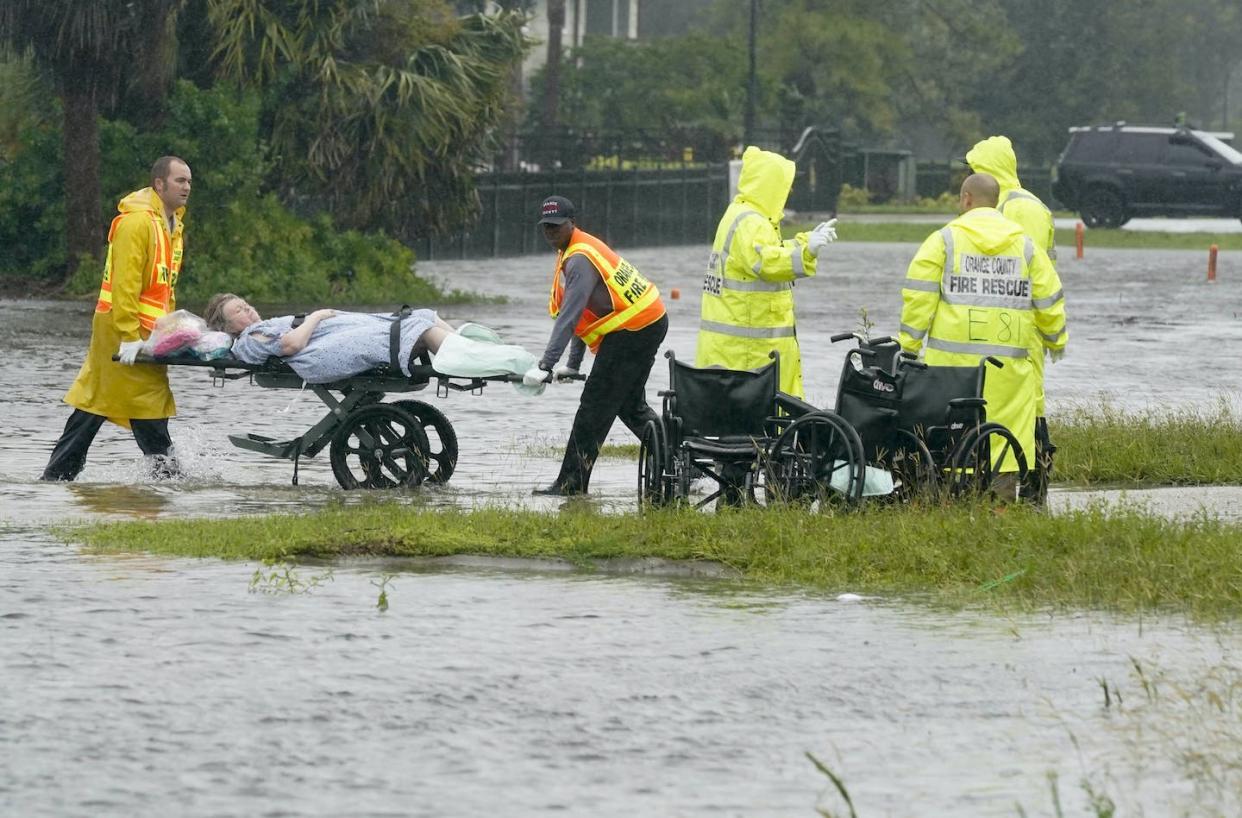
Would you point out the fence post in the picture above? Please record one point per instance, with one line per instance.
(634, 210)
(495, 215)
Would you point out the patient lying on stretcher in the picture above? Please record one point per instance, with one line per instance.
(329, 345)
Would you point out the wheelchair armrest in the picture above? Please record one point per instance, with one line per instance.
(664, 393)
(794, 406)
(967, 403)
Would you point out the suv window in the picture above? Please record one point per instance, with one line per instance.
(1092, 146)
(1141, 148)
(1184, 153)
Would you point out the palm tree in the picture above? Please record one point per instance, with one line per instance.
(379, 109)
(90, 49)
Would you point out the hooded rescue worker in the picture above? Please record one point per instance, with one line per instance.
(747, 309)
(601, 301)
(980, 286)
(139, 281)
(995, 157)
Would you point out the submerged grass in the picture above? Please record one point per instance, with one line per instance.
(1109, 558)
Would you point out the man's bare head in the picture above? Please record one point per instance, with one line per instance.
(979, 190)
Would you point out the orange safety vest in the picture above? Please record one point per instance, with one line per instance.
(161, 278)
(635, 300)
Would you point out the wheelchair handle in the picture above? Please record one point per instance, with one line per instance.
(844, 336)
(883, 339)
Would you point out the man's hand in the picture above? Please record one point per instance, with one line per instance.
(565, 373)
(535, 376)
(1056, 354)
(819, 238)
(828, 228)
(128, 352)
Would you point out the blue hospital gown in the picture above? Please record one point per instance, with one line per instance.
(340, 346)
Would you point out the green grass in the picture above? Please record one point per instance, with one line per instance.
(902, 232)
(1101, 445)
(1114, 559)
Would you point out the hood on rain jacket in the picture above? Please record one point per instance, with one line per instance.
(995, 157)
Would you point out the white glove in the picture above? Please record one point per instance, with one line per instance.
(1056, 354)
(828, 228)
(535, 376)
(565, 372)
(821, 237)
(128, 352)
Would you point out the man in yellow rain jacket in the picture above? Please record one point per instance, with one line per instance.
(995, 157)
(978, 287)
(747, 309)
(145, 249)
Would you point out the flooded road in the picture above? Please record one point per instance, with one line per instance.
(131, 683)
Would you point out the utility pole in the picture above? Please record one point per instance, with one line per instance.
(752, 85)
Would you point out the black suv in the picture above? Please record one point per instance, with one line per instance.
(1109, 173)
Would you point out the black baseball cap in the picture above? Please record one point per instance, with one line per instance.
(556, 210)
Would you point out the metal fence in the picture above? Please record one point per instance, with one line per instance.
(625, 208)
(636, 207)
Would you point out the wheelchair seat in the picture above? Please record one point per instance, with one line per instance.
(735, 428)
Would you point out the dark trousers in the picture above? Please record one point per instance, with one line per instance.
(69, 454)
(616, 388)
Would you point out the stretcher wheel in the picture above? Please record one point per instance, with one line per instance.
(442, 456)
(810, 455)
(379, 446)
(975, 463)
(653, 487)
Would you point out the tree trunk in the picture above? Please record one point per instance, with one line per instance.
(83, 220)
(552, 71)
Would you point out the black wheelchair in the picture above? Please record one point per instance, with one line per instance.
(927, 425)
(755, 443)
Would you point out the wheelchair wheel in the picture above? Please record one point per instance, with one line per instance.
(442, 439)
(818, 457)
(975, 463)
(653, 487)
(912, 466)
(379, 446)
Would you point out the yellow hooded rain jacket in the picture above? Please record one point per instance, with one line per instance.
(995, 156)
(979, 287)
(747, 309)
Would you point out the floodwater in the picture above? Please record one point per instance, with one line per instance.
(146, 686)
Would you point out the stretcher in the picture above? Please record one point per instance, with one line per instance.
(372, 444)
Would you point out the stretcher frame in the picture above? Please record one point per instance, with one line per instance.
(392, 448)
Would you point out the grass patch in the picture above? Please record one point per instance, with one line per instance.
(1116, 559)
(1101, 445)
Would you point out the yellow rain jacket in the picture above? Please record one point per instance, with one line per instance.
(995, 156)
(103, 386)
(980, 287)
(747, 309)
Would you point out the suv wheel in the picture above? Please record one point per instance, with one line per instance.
(1103, 208)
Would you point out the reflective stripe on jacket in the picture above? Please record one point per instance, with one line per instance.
(635, 300)
(747, 307)
(164, 254)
